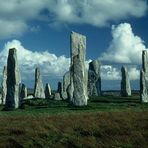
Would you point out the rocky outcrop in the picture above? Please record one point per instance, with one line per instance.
(13, 81)
(94, 78)
(4, 85)
(144, 78)
(38, 87)
(125, 83)
(78, 77)
(47, 91)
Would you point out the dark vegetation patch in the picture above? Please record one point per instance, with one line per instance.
(106, 122)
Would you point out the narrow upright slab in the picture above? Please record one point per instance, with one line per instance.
(4, 85)
(66, 82)
(47, 91)
(38, 87)
(23, 93)
(144, 78)
(60, 87)
(94, 78)
(13, 81)
(78, 75)
(125, 83)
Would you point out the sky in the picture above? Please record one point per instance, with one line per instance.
(116, 32)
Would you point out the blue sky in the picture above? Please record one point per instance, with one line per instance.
(116, 32)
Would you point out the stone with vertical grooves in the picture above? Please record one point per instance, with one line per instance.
(78, 77)
(38, 87)
(144, 78)
(94, 78)
(13, 81)
(4, 85)
(125, 83)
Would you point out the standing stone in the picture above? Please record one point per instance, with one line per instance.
(125, 83)
(38, 87)
(13, 81)
(47, 91)
(144, 78)
(23, 93)
(94, 78)
(78, 76)
(57, 97)
(4, 85)
(60, 87)
(66, 82)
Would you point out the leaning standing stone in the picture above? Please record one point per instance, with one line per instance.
(125, 83)
(13, 81)
(4, 85)
(78, 75)
(38, 87)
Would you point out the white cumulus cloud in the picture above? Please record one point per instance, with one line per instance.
(125, 47)
(110, 72)
(50, 64)
(15, 15)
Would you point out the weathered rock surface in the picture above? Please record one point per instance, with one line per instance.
(47, 91)
(13, 81)
(57, 97)
(144, 78)
(66, 82)
(23, 93)
(125, 83)
(78, 76)
(94, 78)
(4, 85)
(38, 87)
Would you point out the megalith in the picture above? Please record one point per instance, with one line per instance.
(78, 76)
(47, 91)
(94, 78)
(4, 84)
(23, 92)
(125, 83)
(57, 97)
(144, 78)
(38, 87)
(13, 81)
(66, 82)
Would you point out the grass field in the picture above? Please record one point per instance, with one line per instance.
(108, 121)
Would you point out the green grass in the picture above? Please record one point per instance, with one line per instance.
(108, 121)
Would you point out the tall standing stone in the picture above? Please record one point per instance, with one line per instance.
(144, 78)
(4, 85)
(125, 83)
(23, 93)
(38, 87)
(47, 91)
(13, 81)
(94, 78)
(78, 75)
